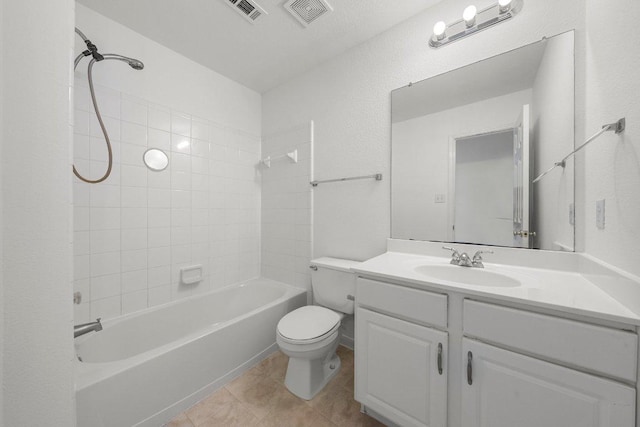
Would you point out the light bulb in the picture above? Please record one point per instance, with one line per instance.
(469, 16)
(504, 5)
(439, 29)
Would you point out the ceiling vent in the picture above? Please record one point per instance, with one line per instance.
(307, 11)
(247, 8)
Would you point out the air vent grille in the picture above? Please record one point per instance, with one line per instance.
(307, 11)
(247, 8)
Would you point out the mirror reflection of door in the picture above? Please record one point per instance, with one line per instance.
(491, 194)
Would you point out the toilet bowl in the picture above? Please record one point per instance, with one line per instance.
(310, 335)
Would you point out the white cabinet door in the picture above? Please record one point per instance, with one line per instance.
(401, 370)
(511, 390)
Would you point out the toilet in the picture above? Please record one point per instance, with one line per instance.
(310, 335)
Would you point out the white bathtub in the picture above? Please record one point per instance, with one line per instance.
(147, 367)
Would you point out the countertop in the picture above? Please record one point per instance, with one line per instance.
(565, 291)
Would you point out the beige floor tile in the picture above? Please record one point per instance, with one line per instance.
(256, 391)
(291, 411)
(180, 421)
(275, 366)
(208, 407)
(259, 398)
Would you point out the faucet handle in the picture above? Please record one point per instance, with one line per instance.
(477, 257)
(455, 255)
(453, 250)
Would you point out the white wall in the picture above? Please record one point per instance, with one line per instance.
(134, 232)
(38, 385)
(286, 208)
(348, 97)
(612, 169)
(552, 111)
(421, 162)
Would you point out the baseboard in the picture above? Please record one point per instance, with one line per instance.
(347, 342)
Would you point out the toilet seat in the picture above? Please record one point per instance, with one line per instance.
(308, 324)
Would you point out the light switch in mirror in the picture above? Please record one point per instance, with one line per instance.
(467, 144)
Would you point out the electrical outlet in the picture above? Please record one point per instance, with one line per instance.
(441, 198)
(600, 214)
(572, 214)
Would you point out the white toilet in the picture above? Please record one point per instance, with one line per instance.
(310, 335)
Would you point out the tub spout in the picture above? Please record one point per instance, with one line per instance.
(85, 328)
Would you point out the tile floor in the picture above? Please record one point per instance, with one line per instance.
(259, 398)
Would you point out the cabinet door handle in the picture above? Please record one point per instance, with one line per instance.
(469, 368)
(440, 358)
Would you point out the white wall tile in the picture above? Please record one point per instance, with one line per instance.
(134, 112)
(134, 281)
(159, 139)
(134, 134)
(136, 230)
(134, 217)
(134, 197)
(105, 263)
(105, 286)
(181, 124)
(134, 238)
(159, 295)
(104, 241)
(159, 118)
(180, 144)
(134, 301)
(159, 237)
(133, 260)
(107, 308)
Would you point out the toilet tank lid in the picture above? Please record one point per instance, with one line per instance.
(335, 263)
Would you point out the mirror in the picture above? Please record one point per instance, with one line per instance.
(467, 144)
(155, 159)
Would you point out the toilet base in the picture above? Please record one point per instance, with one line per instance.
(305, 378)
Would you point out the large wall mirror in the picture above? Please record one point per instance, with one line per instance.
(468, 144)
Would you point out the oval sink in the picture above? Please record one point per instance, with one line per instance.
(467, 275)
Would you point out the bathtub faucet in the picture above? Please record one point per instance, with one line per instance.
(85, 328)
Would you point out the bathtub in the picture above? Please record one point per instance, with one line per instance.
(144, 368)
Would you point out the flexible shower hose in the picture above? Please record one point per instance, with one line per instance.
(104, 131)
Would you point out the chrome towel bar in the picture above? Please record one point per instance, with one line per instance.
(376, 176)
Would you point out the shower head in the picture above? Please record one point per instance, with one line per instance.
(133, 63)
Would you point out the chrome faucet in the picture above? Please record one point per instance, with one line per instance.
(85, 328)
(455, 255)
(464, 260)
(477, 259)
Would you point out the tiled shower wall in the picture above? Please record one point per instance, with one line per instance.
(133, 232)
(287, 207)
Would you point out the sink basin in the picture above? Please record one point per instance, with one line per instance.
(467, 275)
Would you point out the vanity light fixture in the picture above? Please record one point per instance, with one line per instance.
(504, 5)
(439, 30)
(473, 21)
(469, 16)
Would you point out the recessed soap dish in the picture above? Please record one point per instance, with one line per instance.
(191, 275)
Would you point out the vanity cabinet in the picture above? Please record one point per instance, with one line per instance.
(509, 366)
(506, 389)
(401, 370)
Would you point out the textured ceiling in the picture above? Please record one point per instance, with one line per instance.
(266, 53)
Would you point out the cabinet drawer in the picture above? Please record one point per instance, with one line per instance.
(412, 304)
(608, 351)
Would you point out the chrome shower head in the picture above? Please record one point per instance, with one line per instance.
(135, 64)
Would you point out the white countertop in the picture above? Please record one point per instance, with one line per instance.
(565, 291)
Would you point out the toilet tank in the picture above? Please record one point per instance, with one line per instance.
(333, 282)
